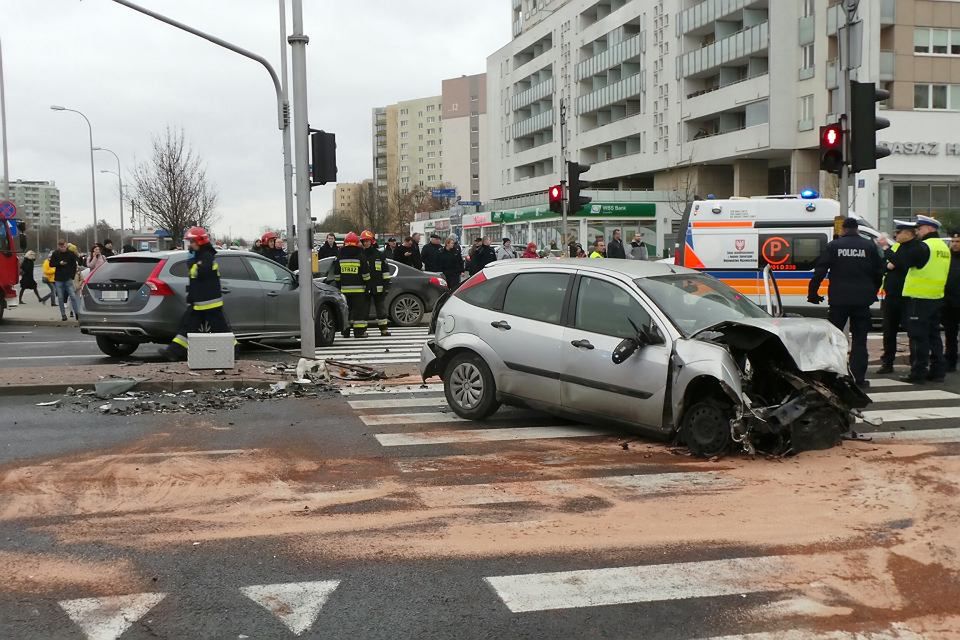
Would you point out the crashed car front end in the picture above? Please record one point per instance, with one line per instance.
(785, 379)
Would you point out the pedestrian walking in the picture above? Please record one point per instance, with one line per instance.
(484, 255)
(48, 279)
(450, 259)
(638, 248)
(951, 304)
(573, 247)
(329, 248)
(27, 280)
(404, 254)
(599, 250)
(351, 274)
(391, 248)
(257, 247)
(417, 255)
(855, 267)
(530, 251)
(431, 254)
(615, 248)
(928, 267)
(65, 264)
(379, 282)
(204, 294)
(505, 250)
(107, 248)
(892, 307)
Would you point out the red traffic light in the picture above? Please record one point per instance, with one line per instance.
(556, 193)
(831, 137)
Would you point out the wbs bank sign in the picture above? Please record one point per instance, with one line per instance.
(922, 148)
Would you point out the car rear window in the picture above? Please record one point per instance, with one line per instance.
(537, 296)
(485, 294)
(125, 270)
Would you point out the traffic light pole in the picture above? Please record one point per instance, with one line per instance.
(845, 57)
(563, 175)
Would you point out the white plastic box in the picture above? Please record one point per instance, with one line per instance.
(210, 350)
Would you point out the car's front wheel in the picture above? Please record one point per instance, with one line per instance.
(469, 386)
(705, 428)
(406, 310)
(325, 326)
(116, 349)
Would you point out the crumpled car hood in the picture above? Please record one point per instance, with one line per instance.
(813, 344)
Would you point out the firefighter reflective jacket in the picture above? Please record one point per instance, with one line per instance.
(379, 269)
(350, 271)
(203, 292)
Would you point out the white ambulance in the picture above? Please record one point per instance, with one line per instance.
(735, 240)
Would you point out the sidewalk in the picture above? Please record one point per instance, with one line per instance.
(36, 314)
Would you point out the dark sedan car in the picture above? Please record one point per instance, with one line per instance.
(412, 292)
(135, 298)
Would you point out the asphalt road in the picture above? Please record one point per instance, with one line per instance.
(379, 515)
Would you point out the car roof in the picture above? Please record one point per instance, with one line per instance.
(162, 255)
(632, 269)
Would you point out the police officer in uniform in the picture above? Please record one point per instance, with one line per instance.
(928, 266)
(856, 273)
(893, 307)
(351, 273)
(204, 297)
(379, 279)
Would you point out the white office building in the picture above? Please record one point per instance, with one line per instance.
(38, 203)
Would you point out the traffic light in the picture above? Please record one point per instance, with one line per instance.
(555, 195)
(323, 146)
(831, 148)
(574, 171)
(864, 125)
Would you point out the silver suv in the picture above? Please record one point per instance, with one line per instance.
(651, 346)
(141, 297)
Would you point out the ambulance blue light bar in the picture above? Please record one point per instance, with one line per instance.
(809, 194)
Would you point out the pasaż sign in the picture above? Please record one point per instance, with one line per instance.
(8, 210)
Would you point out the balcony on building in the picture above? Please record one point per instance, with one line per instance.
(610, 77)
(731, 45)
(887, 65)
(699, 19)
(533, 51)
(736, 130)
(533, 170)
(535, 87)
(600, 10)
(888, 13)
(731, 86)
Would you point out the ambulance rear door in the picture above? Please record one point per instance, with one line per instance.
(792, 250)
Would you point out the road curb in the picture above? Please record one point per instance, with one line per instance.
(173, 386)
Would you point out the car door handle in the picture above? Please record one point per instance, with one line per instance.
(500, 324)
(582, 344)
(272, 294)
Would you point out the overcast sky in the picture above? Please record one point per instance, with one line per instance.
(132, 76)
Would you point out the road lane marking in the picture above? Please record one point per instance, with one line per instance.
(17, 344)
(485, 435)
(916, 435)
(411, 418)
(369, 361)
(15, 333)
(911, 396)
(887, 382)
(91, 355)
(296, 604)
(107, 618)
(909, 415)
(400, 388)
(625, 486)
(398, 403)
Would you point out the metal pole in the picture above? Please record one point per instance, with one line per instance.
(565, 205)
(120, 180)
(287, 161)
(3, 130)
(93, 181)
(298, 43)
(845, 44)
(283, 107)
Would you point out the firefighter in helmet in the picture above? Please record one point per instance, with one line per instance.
(379, 279)
(351, 273)
(204, 297)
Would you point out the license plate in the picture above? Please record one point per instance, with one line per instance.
(113, 295)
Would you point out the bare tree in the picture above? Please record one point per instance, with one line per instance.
(373, 209)
(172, 189)
(335, 223)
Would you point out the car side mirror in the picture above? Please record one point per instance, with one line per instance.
(626, 349)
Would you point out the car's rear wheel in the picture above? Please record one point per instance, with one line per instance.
(325, 326)
(406, 310)
(705, 428)
(469, 387)
(116, 349)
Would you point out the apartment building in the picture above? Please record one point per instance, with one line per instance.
(465, 143)
(346, 198)
(38, 202)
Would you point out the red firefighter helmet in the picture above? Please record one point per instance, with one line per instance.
(198, 235)
(367, 235)
(269, 235)
(352, 240)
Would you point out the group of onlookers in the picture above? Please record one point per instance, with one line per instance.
(63, 272)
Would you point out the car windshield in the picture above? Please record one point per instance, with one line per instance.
(695, 301)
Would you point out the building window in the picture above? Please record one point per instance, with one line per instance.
(808, 57)
(936, 96)
(806, 113)
(429, 107)
(807, 8)
(938, 42)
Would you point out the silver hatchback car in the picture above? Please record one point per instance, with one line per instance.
(664, 349)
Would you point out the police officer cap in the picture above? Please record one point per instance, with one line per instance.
(850, 223)
(904, 224)
(927, 220)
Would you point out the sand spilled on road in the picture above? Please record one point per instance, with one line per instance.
(36, 573)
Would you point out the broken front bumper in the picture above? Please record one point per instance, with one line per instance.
(431, 360)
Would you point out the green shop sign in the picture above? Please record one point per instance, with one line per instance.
(593, 210)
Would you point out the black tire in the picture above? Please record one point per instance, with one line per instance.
(116, 349)
(477, 402)
(406, 310)
(705, 428)
(325, 326)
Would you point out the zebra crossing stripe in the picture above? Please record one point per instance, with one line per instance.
(909, 415)
(399, 403)
(912, 396)
(392, 389)
(917, 435)
(485, 435)
(876, 383)
(410, 418)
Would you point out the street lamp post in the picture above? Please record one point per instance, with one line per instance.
(120, 180)
(3, 129)
(93, 183)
